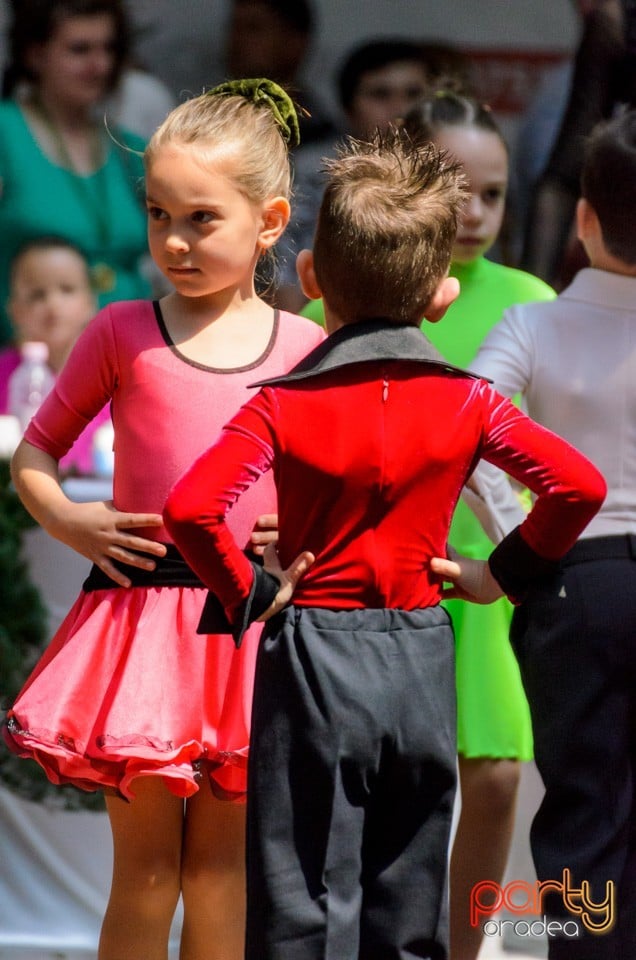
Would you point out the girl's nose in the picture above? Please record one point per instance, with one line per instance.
(472, 212)
(176, 243)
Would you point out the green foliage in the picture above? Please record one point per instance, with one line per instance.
(23, 636)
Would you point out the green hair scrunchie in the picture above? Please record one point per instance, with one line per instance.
(265, 92)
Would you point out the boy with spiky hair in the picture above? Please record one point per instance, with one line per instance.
(371, 438)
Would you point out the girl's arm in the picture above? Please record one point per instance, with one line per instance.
(95, 530)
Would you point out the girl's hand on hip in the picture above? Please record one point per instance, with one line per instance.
(264, 532)
(102, 534)
(288, 578)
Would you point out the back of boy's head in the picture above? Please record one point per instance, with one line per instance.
(608, 183)
(386, 227)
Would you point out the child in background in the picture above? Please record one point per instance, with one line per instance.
(494, 730)
(51, 299)
(574, 362)
(371, 438)
(127, 698)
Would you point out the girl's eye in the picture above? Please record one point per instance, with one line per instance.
(493, 194)
(156, 213)
(202, 216)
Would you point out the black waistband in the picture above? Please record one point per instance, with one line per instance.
(170, 571)
(601, 548)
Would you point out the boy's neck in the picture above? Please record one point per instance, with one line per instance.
(603, 260)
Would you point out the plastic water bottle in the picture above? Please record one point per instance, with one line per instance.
(103, 454)
(30, 382)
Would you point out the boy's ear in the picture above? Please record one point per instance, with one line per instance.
(307, 275)
(275, 218)
(586, 220)
(446, 293)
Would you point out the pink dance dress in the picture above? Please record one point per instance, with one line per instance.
(127, 688)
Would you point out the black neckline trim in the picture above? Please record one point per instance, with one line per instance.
(202, 366)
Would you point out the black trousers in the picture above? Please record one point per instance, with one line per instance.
(575, 639)
(351, 786)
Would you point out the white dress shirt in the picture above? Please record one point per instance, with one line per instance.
(574, 361)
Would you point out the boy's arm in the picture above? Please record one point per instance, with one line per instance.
(195, 515)
(568, 487)
(491, 498)
(505, 357)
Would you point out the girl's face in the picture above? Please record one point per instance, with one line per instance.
(75, 65)
(204, 234)
(484, 158)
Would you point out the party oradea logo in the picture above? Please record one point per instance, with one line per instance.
(527, 900)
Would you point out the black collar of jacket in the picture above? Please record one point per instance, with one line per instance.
(361, 342)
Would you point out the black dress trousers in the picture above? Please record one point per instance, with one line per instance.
(575, 639)
(351, 786)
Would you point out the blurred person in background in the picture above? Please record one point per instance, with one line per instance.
(604, 78)
(62, 171)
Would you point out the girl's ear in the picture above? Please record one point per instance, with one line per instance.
(307, 275)
(276, 215)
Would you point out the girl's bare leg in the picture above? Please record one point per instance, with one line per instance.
(213, 878)
(482, 842)
(147, 835)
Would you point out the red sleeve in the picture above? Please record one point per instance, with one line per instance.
(568, 487)
(197, 506)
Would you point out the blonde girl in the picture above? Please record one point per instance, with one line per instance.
(128, 698)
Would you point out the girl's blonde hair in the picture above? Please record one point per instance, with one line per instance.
(232, 127)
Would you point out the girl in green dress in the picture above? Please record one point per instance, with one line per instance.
(494, 733)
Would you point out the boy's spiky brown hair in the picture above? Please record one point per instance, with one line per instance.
(386, 226)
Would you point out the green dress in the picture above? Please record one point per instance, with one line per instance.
(493, 719)
(103, 213)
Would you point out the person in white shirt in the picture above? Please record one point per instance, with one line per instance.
(574, 361)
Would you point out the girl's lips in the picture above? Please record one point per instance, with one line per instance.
(469, 241)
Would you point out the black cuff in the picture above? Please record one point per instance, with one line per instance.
(214, 619)
(515, 566)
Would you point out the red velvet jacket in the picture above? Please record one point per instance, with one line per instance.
(371, 439)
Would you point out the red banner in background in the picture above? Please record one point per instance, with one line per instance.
(508, 79)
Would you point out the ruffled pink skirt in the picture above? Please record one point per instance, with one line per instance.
(128, 689)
